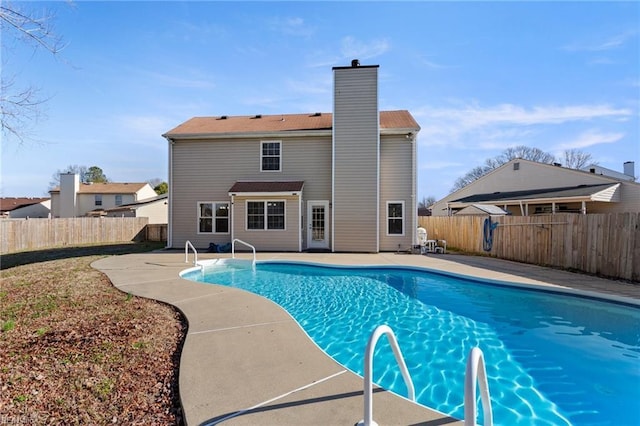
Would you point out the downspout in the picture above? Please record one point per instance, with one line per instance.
(233, 217)
(301, 223)
(332, 203)
(414, 237)
(171, 142)
(378, 176)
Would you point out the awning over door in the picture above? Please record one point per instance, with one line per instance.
(267, 188)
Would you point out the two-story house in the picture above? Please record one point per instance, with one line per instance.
(342, 181)
(75, 199)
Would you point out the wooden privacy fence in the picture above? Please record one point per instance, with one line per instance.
(32, 234)
(603, 244)
(156, 232)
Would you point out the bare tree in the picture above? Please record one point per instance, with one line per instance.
(426, 202)
(527, 153)
(72, 168)
(576, 159)
(470, 176)
(524, 152)
(87, 174)
(21, 107)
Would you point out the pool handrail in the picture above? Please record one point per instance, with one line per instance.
(233, 249)
(186, 253)
(368, 371)
(476, 372)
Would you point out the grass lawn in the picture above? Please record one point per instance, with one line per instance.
(76, 350)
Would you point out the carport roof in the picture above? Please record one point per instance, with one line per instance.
(561, 192)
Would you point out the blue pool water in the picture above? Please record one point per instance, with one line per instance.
(551, 359)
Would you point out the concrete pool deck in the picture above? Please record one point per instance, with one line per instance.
(245, 361)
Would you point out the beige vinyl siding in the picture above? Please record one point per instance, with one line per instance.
(55, 204)
(156, 212)
(268, 240)
(87, 202)
(610, 194)
(629, 201)
(396, 184)
(205, 171)
(356, 157)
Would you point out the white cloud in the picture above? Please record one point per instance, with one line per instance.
(432, 64)
(609, 43)
(352, 48)
(438, 165)
(497, 127)
(591, 137)
(294, 26)
(474, 116)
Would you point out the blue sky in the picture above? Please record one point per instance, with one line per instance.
(478, 77)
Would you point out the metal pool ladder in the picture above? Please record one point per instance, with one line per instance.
(475, 372)
(188, 245)
(368, 371)
(233, 249)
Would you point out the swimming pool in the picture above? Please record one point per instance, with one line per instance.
(551, 359)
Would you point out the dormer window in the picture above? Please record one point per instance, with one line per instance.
(270, 156)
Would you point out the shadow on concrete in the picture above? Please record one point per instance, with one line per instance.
(356, 394)
(27, 257)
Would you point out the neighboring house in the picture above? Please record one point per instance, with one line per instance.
(424, 211)
(343, 182)
(75, 199)
(627, 174)
(482, 210)
(25, 207)
(154, 208)
(524, 188)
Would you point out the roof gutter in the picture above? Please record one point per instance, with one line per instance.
(245, 135)
(408, 131)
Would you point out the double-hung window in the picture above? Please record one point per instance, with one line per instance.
(213, 218)
(265, 215)
(98, 199)
(118, 199)
(270, 156)
(395, 218)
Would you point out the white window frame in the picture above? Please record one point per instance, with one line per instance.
(402, 218)
(265, 215)
(279, 156)
(214, 217)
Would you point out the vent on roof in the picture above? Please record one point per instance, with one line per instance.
(557, 164)
(316, 114)
(516, 166)
(355, 63)
(223, 117)
(257, 116)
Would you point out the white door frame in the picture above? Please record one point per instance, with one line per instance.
(317, 244)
